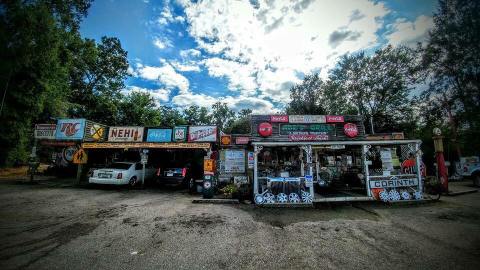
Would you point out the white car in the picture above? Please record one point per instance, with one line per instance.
(121, 173)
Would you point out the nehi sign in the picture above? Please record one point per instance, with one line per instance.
(125, 134)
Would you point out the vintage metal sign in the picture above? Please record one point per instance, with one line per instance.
(287, 129)
(335, 119)
(250, 160)
(234, 161)
(279, 118)
(305, 119)
(265, 129)
(202, 134)
(242, 140)
(70, 129)
(95, 132)
(350, 129)
(125, 134)
(393, 182)
(226, 139)
(80, 157)
(308, 137)
(159, 135)
(146, 145)
(179, 134)
(45, 131)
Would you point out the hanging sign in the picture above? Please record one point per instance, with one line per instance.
(265, 129)
(45, 131)
(202, 134)
(70, 129)
(334, 118)
(303, 119)
(226, 139)
(125, 134)
(242, 140)
(279, 118)
(350, 130)
(179, 134)
(308, 137)
(95, 132)
(159, 135)
(80, 157)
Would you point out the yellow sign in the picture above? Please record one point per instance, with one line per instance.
(80, 157)
(226, 139)
(97, 132)
(125, 145)
(208, 165)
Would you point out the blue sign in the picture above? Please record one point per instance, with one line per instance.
(70, 129)
(159, 135)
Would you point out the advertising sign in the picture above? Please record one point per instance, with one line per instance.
(226, 139)
(335, 119)
(308, 137)
(305, 119)
(234, 161)
(350, 130)
(202, 134)
(70, 129)
(265, 129)
(242, 140)
(125, 134)
(68, 153)
(289, 129)
(393, 182)
(208, 165)
(95, 132)
(159, 135)
(45, 131)
(250, 160)
(179, 134)
(279, 118)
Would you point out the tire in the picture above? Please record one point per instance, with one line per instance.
(476, 179)
(133, 182)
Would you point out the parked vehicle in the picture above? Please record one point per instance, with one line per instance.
(471, 168)
(121, 173)
(185, 175)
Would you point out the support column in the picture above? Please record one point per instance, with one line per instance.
(366, 173)
(256, 151)
(79, 173)
(308, 153)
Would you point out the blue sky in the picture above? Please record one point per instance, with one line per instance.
(246, 53)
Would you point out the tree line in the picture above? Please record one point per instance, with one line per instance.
(48, 70)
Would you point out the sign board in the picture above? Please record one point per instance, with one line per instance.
(80, 157)
(335, 119)
(202, 134)
(234, 161)
(305, 119)
(95, 132)
(125, 134)
(208, 165)
(226, 139)
(350, 129)
(143, 158)
(70, 129)
(308, 137)
(242, 140)
(45, 131)
(179, 134)
(250, 160)
(68, 153)
(159, 135)
(288, 129)
(393, 182)
(279, 118)
(240, 179)
(134, 145)
(308, 180)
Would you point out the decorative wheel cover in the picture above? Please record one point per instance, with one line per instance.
(307, 197)
(259, 199)
(383, 195)
(393, 195)
(282, 198)
(269, 198)
(406, 196)
(418, 195)
(293, 198)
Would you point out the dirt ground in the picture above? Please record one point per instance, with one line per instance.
(56, 225)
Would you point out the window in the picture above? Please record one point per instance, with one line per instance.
(138, 166)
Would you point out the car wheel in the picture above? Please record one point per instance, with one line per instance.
(132, 182)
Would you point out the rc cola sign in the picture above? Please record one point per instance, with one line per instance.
(70, 129)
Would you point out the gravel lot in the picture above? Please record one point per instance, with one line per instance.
(54, 225)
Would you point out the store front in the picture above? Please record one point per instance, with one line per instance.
(302, 159)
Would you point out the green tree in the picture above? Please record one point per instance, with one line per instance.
(195, 115)
(222, 116)
(139, 109)
(242, 123)
(306, 96)
(171, 117)
(34, 64)
(453, 64)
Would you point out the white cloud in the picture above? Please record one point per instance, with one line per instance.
(263, 48)
(258, 105)
(190, 53)
(404, 32)
(159, 95)
(162, 44)
(186, 66)
(166, 16)
(165, 75)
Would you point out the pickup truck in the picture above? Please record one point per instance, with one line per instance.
(470, 167)
(121, 173)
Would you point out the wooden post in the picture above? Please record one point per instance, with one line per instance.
(79, 173)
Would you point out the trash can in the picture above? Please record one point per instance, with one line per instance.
(207, 190)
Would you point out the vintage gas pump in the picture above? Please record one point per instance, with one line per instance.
(441, 168)
(208, 178)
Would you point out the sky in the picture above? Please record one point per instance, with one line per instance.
(247, 53)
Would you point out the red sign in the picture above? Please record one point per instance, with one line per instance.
(242, 140)
(308, 137)
(279, 118)
(350, 130)
(265, 129)
(335, 119)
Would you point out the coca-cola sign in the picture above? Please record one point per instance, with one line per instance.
(279, 118)
(265, 129)
(351, 130)
(335, 119)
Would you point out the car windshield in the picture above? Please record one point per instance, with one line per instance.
(122, 166)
